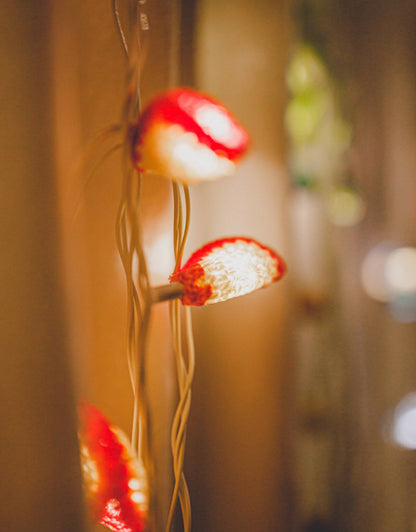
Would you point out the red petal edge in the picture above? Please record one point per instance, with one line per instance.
(205, 250)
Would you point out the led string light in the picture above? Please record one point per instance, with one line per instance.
(227, 268)
(187, 137)
(115, 482)
(221, 270)
(129, 244)
(175, 109)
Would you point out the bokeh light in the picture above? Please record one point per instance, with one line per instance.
(372, 272)
(345, 206)
(304, 115)
(306, 71)
(400, 270)
(388, 275)
(403, 430)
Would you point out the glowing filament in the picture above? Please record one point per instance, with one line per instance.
(228, 268)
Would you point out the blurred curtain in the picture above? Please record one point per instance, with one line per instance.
(40, 484)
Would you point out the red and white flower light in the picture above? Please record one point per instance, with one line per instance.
(227, 268)
(187, 137)
(115, 483)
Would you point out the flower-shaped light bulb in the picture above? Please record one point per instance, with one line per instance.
(227, 268)
(187, 137)
(115, 484)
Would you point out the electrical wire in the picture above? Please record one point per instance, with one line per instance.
(185, 364)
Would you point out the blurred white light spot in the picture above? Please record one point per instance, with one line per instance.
(400, 270)
(134, 484)
(404, 425)
(372, 272)
(214, 120)
(170, 151)
(216, 123)
(345, 207)
(138, 497)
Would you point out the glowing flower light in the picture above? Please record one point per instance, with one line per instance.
(115, 484)
(226, 268)
(188, 137)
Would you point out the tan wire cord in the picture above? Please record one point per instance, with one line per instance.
(185, 364)
(128, 235)
(130, 246)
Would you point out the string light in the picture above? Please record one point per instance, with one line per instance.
(115, 483)
(227, 268)
(188, 137)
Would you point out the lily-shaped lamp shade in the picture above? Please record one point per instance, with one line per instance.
(115, 484)
(227, 268)
(188, 137)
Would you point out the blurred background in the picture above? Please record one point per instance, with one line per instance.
(304, 400)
